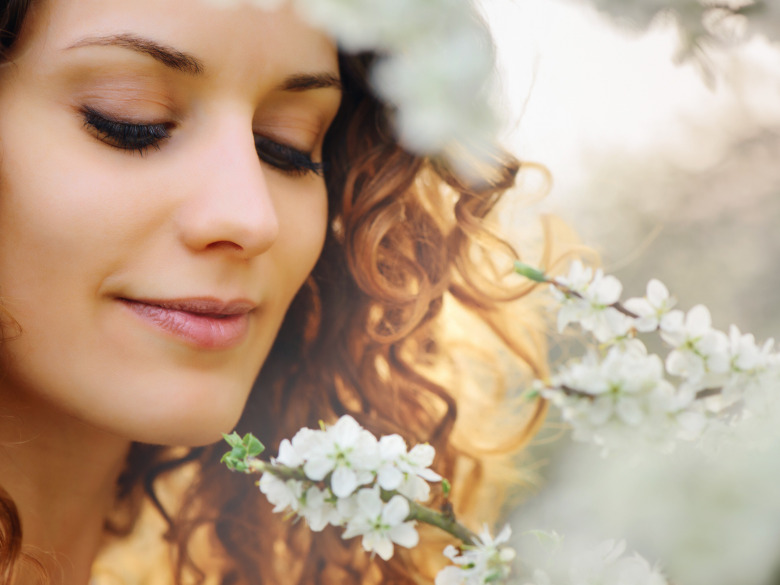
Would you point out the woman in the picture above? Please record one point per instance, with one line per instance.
(189, 193)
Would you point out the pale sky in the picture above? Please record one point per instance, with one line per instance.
(593, 87)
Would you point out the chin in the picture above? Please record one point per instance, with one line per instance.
(188, 431)
(187, 418)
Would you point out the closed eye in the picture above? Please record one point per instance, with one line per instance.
(286, 159)
(135, 137)
(125, 135)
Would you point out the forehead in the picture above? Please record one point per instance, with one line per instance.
(224, 34)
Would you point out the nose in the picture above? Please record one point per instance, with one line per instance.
(228, 206)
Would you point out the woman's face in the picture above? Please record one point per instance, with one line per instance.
(160, 205)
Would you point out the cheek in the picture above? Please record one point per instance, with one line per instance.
(59, 211)
(303, 218)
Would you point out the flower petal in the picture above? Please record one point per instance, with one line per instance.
(657, 293)
(389, 477)
(395, 511)
(343, 482)
(404, 535)
(318, 468)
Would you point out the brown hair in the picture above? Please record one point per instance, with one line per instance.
(361, 337)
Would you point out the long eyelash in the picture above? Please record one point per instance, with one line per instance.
(287, 159)
(140, 137)
(125, 135)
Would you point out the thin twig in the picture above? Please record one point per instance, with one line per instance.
(573, 293)
(569, 391)
(707, 392)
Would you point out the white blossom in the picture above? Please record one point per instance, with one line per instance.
(624, 399)
(346, 450)
(380, 524)
(487, 561)
(435, 66)
(379, 25)
(406, 472)
(698, 348)
(433, 80)
(590, 306)
(618, 396)
(343, 457)
(754, 373)
(653, 308)
(318, 508)
(291, 453)
(745, 353)
(283, 494)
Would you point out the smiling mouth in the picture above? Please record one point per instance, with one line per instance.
(201, 323)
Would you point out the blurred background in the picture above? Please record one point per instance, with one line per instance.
(671, 170)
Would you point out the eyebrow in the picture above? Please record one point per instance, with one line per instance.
(307, 81)
(168, 56)
(191, 65)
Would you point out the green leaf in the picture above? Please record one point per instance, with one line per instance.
(253, 445)
(241, 450)
(233, 439)
(446, 487)
(529, 272)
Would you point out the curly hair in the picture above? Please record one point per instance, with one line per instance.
(362, 337)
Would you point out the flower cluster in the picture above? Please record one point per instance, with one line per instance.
(434, 68)
(487, 561)
(342, 475)
(619, 393)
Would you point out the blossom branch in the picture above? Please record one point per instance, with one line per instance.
(539, 276)
(343, 476)
(445, 522)
(374, 488)
(242, 458)
(619, 392)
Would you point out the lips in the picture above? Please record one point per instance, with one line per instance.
(204, 323)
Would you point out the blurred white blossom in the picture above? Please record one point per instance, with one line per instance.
(556, 563)
(487, 561)
(653, 308)
(434, 68)
(623, 399)
(606, 565)
(588, 302)
(698, 348)
(619, 396)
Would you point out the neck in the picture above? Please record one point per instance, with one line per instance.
(61, 474)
